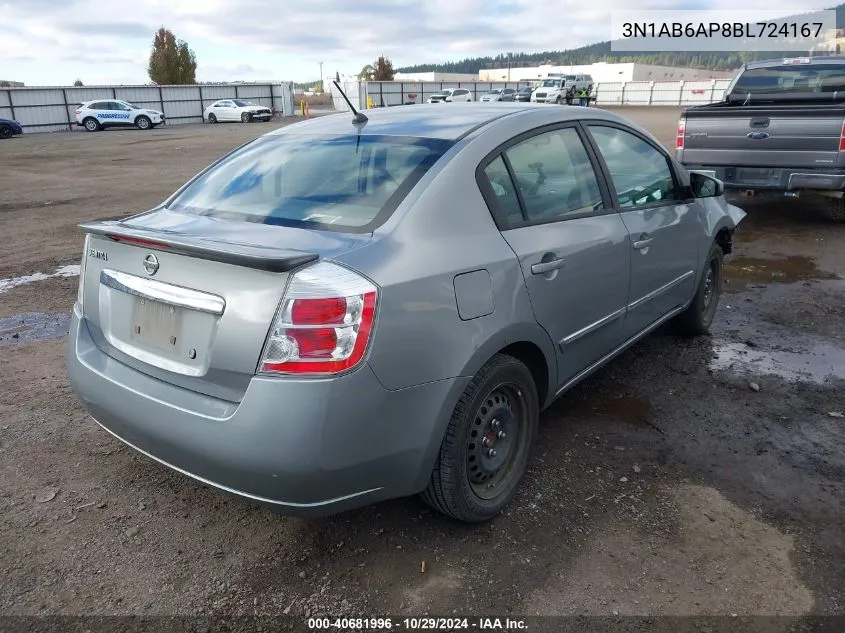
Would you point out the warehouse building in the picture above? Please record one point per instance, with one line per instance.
(434, 76)
(602, 72)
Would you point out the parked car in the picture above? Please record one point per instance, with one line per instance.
(317, 331)
(499, 94)
(10, 128)
(524, 94)
(236, 110)
(778, 130)
(562, 89)
(103, 113)
(459, 94)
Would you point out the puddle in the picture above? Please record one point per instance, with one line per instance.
(630, 409)
(33, 326)
(820, 364)
(62, 271)
(740, 272)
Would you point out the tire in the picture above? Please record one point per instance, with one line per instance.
(696, 319)
(212, 118)
(246, 117)
(835, 209)
(5, 131)
(143, 123)
(91, 124)
(558, 101)
(472, 481)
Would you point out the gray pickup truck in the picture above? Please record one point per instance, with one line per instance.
(778, 130)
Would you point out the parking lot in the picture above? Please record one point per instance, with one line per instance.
(702, 477)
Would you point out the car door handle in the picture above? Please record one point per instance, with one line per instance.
(544, 267)
(642, 242)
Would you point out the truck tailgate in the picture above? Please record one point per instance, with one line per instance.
(805, 136)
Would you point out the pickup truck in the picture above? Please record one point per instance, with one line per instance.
(780, 129)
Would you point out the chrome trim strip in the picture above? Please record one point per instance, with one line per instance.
(620, 349)
(165, 293)
(592, 327)
(659, 291)
(233, 491)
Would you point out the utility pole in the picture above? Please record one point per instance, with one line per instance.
(509, 67)
(322, 87)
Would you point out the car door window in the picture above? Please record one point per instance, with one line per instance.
(640, 172)
(504, 190)
(555, 176)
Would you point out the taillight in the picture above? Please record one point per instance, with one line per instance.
(842, 138)
(77, 111)
(679, 140)
(323, 325)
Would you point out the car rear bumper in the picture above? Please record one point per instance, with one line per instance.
(776, 178)
(304, 447)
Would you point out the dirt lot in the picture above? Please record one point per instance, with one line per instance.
(667, 484)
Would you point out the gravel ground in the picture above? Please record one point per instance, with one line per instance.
(687, 478)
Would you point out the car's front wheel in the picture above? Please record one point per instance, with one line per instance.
(696, 319)
(143, 123)
(5, 131)
(485, 452)
(246, 117)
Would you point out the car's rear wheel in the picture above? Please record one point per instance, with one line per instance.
(91, 124)
(212, 118)
(485, 452)
(246, 117)
(5, 131)
(143, 123)
(697, 318)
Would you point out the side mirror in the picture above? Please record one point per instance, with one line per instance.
(704, 186)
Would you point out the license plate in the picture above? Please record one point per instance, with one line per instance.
(754, 175)
(156, 324)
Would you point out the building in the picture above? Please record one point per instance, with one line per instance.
(434, 76)
(10, 84)
(603, 72)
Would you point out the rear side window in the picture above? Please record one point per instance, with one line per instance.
(503, 189)
(339, 183)
(555, 176)
(791, 78)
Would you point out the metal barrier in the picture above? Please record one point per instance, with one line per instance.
(52, 109)
(631, 93)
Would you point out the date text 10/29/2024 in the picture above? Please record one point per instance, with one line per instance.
(418, 624)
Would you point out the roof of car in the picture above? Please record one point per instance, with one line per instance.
(444, 121)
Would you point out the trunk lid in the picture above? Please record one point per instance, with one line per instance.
(806, 136)
(189, 299)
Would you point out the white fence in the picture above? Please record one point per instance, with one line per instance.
(52, 109)
(630, 93)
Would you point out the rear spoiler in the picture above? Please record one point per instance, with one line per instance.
(276, 260)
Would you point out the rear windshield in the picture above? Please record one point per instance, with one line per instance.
(341, 183)
(792, 78)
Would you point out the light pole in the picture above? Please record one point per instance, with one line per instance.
(322, 87)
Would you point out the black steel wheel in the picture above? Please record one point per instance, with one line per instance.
(487, 447)
(698, 317)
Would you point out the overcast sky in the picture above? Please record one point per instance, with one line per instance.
(54, 42)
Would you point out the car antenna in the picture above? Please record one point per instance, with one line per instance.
(359, 117)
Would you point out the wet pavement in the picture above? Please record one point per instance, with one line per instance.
(28, 327)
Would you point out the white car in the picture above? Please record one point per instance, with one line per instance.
(102, 113)
(236, 110)
(451, 94)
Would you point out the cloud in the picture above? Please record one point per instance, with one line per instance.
(250, 37)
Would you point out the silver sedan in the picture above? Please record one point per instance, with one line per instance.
(347, 310)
